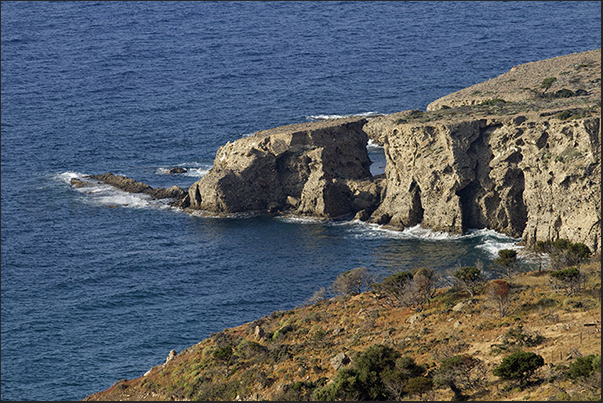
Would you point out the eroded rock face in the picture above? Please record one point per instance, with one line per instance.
(319, 169)
(533, 177)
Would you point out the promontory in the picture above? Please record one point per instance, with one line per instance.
(519, 154)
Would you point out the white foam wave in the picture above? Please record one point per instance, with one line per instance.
(197, 172)
(490, 241)
(328, 117)
(425, 233)
(67, 176)
(193, 169)
(372, 146)
(100, 194)
(493, 242)
(362, 229)
(492, 246)
(300, 219)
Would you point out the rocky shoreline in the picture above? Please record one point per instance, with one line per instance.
(524, 161)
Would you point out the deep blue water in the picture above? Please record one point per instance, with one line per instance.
(101, 286)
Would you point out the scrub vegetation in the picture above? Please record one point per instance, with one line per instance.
(409, 336)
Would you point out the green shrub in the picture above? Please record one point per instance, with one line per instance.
(564, 115)
(418, 385)
(583, 367)
(567, 281)
(564, 253)
(493, 102)
(458, 373)
(521, 337)
(469, 278)
(519, 366)
(378, 373)
(563, 93)
(547, 83)
(345, 386)
(507, 259)
(370, 365)
(223, 354)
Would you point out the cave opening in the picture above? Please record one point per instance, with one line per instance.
(376, 154)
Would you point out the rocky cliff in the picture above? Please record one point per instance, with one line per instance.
(319, 169)
(520, 154)
(528, 166)
(527, 176)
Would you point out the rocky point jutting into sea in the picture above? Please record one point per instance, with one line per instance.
(519, 154)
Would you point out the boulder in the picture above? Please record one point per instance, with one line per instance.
(258, 332)
(171, 356)
(339, 360)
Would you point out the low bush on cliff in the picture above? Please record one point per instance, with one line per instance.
(378, 373)
(507, 260)
(584, 367)
(519, 366)
(517, 338)
(493, 102)
(564, 253)
(461, 373)
(405, 289)
(547, 83)
(352, 282)
(469, 279)
(567, 281)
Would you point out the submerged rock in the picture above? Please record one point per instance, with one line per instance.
(78, 183)
(177, 170)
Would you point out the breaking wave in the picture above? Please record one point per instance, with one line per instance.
(193, 169)
(487, 240)
(301, 220)
(372, 146)
(100, 194)
(329, 117)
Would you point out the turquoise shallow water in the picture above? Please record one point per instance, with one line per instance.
(100, 286)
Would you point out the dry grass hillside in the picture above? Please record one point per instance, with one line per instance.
(525, 83)
(288, 355)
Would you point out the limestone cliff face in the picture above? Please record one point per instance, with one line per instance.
(319, 169)
(529, 176)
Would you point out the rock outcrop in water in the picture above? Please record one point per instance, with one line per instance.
(319, 169)
(503, 154)
(132, 186)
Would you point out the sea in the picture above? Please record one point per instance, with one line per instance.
(99, 285)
